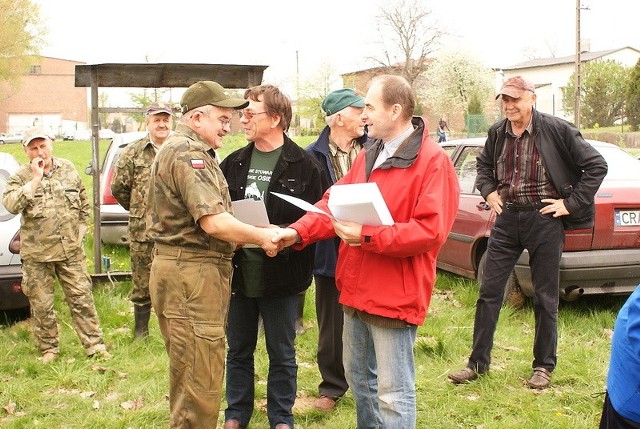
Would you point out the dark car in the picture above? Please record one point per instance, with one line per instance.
(602, 260)
(11, 296)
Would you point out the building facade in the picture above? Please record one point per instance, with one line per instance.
(46, 96)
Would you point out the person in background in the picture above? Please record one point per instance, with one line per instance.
(130, 186)
(52, 199)
(621, 408)
(539, 176)
(442, 126)
(386, 273)
(270, 162)
(190, 221)
(336, 148)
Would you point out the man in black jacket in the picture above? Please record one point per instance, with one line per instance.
(269, 287)
(539, 176)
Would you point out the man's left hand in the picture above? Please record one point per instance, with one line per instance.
(554, 206)
(349, 232)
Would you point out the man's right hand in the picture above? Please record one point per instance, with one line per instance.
(286, 237)
(495, 202)
(269, 243)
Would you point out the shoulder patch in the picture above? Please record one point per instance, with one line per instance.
(197, 163)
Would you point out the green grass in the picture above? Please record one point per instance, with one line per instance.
(130, 390)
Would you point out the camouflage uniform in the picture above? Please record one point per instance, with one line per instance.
(190, 274)
(54, 221)
(130, 187)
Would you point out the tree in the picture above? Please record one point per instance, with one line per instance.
(455, 84)
(311, 92)
(632, 101)
(21, 36)
(407, 37)
(602, 93)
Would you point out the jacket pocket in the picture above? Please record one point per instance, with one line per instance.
(291, 186)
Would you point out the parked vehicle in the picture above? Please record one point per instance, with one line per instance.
(602, 260)
(69, 135)
(11, 138)
(114, 219)
(11, 296)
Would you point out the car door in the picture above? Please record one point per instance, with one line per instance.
(474, 219)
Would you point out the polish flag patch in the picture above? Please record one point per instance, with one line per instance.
(197, 163)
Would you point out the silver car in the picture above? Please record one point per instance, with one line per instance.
(114, 219)
(11, 296)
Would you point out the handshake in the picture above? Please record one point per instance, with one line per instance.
(275, 239)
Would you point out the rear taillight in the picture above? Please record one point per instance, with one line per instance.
(14, 244)
(107, 196)
(16, 287)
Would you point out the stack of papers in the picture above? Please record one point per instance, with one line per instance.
(357, 202)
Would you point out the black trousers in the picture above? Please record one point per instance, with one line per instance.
(612, 420)
(330, 321)
(543, 237)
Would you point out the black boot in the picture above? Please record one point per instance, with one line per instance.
(141, 314)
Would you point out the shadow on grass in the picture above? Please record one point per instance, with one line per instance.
(11, 317)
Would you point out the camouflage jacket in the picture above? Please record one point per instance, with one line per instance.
(186, 184)
(130, 184)
(54, 215)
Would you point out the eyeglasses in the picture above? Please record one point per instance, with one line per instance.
(248, 114)
(225, 122)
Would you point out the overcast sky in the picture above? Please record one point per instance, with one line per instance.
(337, 32)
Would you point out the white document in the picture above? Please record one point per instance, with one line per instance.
(360, 203)
(251, 211)
(301, 203)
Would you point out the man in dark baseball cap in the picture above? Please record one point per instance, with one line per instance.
(339, 99)
(208, 92)
(515, 86)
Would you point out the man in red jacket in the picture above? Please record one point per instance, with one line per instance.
(386, 273)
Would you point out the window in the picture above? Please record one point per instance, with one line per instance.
(37, 69)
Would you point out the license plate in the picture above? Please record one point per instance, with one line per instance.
(627, 218)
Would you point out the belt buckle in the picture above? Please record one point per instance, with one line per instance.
(508, 205)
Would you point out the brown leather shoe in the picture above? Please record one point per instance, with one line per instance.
(540, 379)
(232, 424)
(465, 375)
(324, 404)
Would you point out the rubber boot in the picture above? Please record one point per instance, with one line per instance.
(141, 314)
(300, 313)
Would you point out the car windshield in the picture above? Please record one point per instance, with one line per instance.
(622, 166)
(4, 177)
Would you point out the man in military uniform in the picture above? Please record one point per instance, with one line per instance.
(130, 187)
(52, 199)
(190, 221)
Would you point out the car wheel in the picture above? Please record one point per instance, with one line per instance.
(513, 294)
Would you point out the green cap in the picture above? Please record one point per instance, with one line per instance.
(339, 99)
(207, 92)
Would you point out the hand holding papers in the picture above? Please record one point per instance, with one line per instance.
(358, 202)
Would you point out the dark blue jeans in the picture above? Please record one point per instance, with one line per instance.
(543, 237)
(279, 316)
